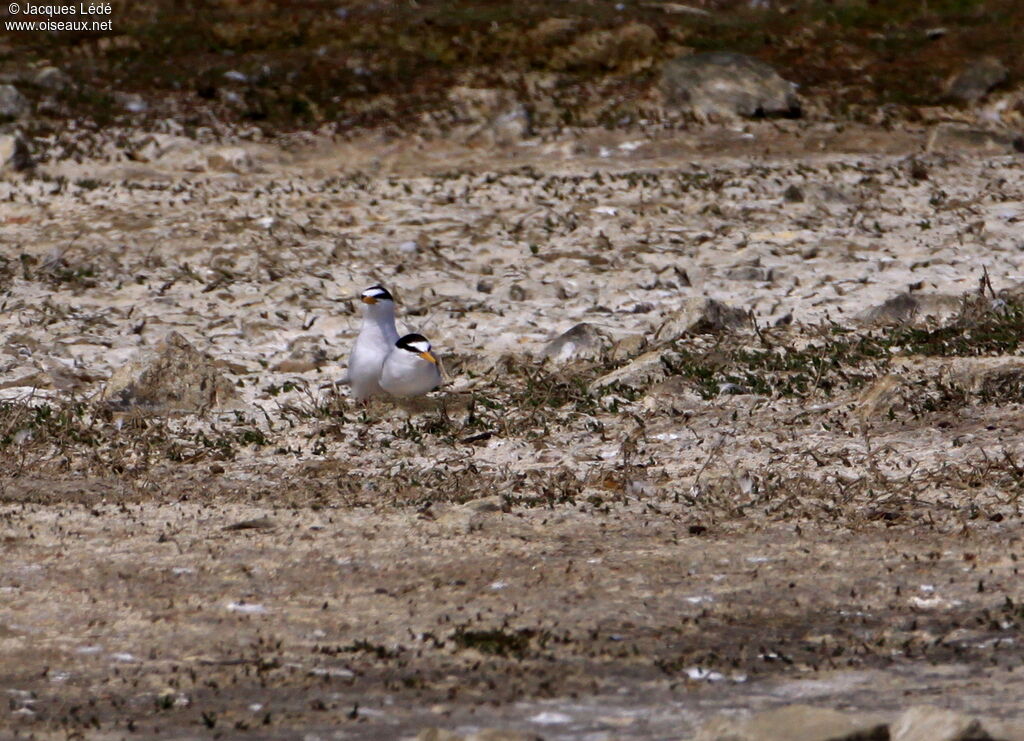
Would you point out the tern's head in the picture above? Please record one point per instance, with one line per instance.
(416, 344)
(376, 294)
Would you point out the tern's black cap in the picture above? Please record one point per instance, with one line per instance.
(414, 343)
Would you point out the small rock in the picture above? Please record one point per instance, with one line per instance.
(306, 355)
(728, 84)
(640, 373)
(12, 103)
(485, 504)
(795, 722)
(259, 523)
(1012, 294)
(156, 146)
(732, 389)
(702, 315)
(67, 377)
(628, 347)
(901, 309)
(489, 116)
(680, 9)
(582, 341)
(1005, 730)
(510, 127)
(471, 517)
(229, 159)
(751, 272)
(793, 194)
(26, 377)
(173, 376)
(51, 78)
(606, 49)
(14, 153)
(997, 379)
(295, 365)
(975, 80)
(131, 102)
(676, 395)
(438, 734)
(502, 734)
(553, 31)
(829, 193)
(953, 137)
(925, 723)
(917, 169)
(475, 105)
(487, 734)
(884, 397)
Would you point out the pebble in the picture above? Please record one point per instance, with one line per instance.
(12, 103)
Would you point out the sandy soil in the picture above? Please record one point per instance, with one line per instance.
(529, 548)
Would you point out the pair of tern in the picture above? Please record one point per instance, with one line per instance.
(381, 361)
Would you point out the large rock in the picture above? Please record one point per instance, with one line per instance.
(795, 722)
(582, 342)
(725, 84)
(975, 80)
(900, 309)
(702, 315)
(172, 377)
(12, 103)
(488, 116)
(908, 308)
(14, 153)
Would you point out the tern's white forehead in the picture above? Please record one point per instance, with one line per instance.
(380, 293)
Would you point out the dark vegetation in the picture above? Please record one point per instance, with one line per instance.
(284, 66)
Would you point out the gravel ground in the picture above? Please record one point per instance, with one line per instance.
(668, 519)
